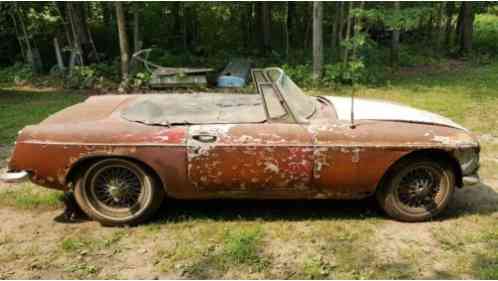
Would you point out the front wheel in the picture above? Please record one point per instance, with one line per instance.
(118, 192)
(417, 189)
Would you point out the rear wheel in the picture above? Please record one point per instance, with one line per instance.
(417, 189)
(118, 192)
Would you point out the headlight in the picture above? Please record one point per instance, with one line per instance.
(469, 160)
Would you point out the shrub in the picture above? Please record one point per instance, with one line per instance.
(18, 74)
(91, 76)
(301, 74)
(140, 79)
(486, 34)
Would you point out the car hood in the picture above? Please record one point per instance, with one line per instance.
(386, 111)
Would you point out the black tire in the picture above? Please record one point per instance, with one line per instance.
(416, 189)
(117, 192)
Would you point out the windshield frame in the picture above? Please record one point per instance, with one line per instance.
(280, 92)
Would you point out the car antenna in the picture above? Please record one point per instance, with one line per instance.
(352, 106)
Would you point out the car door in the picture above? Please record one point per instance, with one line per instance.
(348, 161)
(250, 157)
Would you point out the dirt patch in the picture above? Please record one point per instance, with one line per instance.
(33, 246)
(415, 250)
(488, 138)
(411, 248)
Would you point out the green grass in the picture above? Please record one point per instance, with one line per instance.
(487, 265)
(488, 268)
(82, 270)
(19, 108)
(243, 246)
(28, 196)
(87, 242)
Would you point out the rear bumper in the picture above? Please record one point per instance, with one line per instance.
(471, 180)
(14, 177)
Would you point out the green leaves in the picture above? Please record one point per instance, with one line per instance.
(407, 18)
(351, 72)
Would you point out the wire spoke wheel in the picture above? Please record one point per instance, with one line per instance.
(417, 189)
(117, 192)
(116, 187)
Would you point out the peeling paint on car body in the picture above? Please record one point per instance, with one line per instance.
(318, 157)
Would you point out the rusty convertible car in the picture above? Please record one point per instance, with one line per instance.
(123, 154)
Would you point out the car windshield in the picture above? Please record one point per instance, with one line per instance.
(300, 103)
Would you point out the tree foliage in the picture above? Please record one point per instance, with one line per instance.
(355, 36)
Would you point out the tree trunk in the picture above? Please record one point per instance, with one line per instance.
(291, 15)
(340, 29)
(308, 34)
(458, 28)
(184, 27)
(317, 40)
(286, 30)
(94, 56)
(348, 31)
(266, 24)
(467, 28)
(258, 25)
(78, 50)
(137, 34)
(176, 22)
(196, 35)
(78, 20)
(335, 27)
(395, 40)
(61, 10)
(450, 7)
(440, 27)
(357, 27)
(58, 55)
(245, 24)
(108, 17)
(123, 41)
(19, 37)
(29, 48)
(428, 28)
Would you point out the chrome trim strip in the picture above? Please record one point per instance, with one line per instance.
(14, 177)
(471, 180)
(380, 145)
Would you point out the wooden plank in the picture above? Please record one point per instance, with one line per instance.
(166, 81)
(180, 70)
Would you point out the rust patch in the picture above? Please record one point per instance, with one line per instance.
(250, 157)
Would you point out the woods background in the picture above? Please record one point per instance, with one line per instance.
(317, 43)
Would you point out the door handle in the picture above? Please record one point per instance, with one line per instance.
(204, 138)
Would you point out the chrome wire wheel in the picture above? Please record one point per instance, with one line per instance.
(116, 186)
(117, 191)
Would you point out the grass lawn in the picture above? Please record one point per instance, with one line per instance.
(19, 108)
(248, 239)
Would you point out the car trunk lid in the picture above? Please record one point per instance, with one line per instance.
(92, 109)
